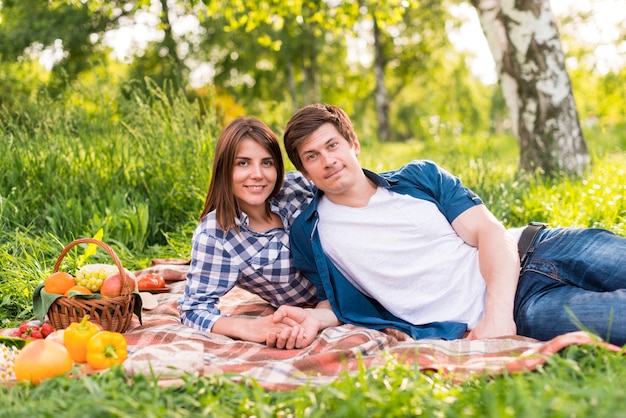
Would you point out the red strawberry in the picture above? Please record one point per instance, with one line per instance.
(26, 330)
(47, 329)
(29, 331)
(36, 334)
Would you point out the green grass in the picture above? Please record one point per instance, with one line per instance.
(580, 381)
(139, 172)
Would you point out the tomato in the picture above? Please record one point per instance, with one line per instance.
(42, 359)
(150, 281)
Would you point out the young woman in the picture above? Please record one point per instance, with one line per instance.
(242, 237)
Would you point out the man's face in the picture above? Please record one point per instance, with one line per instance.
(330, 161)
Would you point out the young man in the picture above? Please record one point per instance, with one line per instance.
(415, 250)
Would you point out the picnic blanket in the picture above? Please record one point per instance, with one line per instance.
(162, 341)
(163, 346)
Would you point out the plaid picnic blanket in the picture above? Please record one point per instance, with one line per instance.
(161, 345)
(166, 346)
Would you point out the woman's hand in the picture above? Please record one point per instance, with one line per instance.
(261, 329)
(302, 329)
(310, 321)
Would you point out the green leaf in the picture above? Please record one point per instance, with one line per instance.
(91, 248)
(13, 342)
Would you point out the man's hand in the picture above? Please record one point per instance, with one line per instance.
(491, 328)
(301, 328)
(310, 320)
(261, 329)
(499, 265)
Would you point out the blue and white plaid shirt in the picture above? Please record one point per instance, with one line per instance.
(260, 263)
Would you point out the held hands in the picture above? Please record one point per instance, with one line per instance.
(289, 327)
(300, 328)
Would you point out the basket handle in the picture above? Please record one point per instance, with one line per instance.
(105, 246)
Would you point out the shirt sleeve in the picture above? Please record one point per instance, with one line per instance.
(441, 187)
(212, 273)
(296, 193)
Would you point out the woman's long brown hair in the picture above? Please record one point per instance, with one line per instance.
(220, 196)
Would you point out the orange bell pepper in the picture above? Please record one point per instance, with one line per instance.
(105, 349)
(76, 336)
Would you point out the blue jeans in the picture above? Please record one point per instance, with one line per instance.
(575, 280)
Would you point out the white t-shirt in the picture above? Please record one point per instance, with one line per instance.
(403, 252)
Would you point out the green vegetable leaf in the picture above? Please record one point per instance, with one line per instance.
(13, 342)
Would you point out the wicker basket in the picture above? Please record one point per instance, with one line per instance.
(113, 314)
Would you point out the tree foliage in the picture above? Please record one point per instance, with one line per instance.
(391, 65)
(30, 26)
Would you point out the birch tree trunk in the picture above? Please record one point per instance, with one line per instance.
(524, 40)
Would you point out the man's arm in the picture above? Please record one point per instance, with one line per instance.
(499, 266)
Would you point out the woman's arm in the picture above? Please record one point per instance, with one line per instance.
(257, 329)
(212, 273)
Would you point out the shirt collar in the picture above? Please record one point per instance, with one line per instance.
(243, 221)
(377, 179)
(311, 210)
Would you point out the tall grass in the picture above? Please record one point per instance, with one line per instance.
(139, 175)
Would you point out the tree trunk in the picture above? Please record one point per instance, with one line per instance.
(311, 83)
(170, 44)
(312, 89)
(291, 88)
(381, 95)
(524, 40)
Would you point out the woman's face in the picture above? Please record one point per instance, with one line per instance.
(254, 176)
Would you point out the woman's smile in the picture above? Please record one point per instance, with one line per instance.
(254, 177)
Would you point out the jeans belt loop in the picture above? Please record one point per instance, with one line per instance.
(526, 244)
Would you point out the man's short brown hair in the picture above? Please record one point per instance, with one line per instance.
(307, 120)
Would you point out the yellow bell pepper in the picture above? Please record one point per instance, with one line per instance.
(105, 349)
(76, 336)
